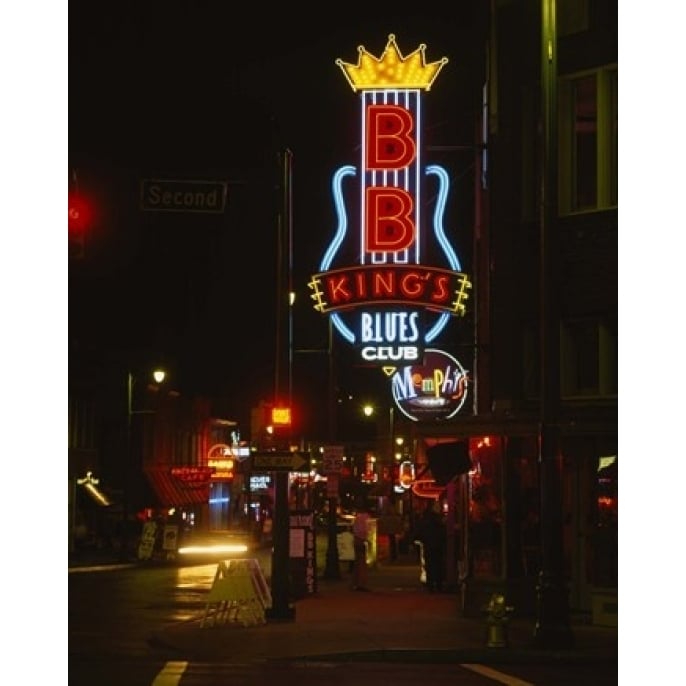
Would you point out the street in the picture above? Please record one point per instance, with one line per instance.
(115, 615)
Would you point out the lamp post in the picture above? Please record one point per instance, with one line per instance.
(158, 375)
(391, 436)
(369, 411)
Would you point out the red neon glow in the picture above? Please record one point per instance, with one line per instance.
(193, 475)
(389, 141)
(484, 442)
(80, 213)
(389, 226)
(387, 230)
(431, 287)
(427, 488)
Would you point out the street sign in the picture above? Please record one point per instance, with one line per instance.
(280, 461)
(170, 195)
(332, 459)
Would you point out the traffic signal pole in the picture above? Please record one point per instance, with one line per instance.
(281, 608)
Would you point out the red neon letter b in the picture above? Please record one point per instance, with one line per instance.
(389, 227)
(389, 141)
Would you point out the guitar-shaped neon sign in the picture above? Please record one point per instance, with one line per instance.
(401, 291)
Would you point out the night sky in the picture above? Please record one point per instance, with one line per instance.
(200, 91)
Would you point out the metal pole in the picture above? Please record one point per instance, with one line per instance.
(72, 514)
(288, 190)
(391, 432)
(124, 553)
(281, 608)
(552, 629)
(332, 569)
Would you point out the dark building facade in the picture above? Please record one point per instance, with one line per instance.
(545, 274)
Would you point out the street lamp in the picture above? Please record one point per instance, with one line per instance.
(368, 410)
(158, 376)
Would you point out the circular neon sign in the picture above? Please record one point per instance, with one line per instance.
(434, 390)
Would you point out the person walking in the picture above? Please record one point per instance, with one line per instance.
(360, 533)
(432, 534)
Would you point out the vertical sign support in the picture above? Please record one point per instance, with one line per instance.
(281, 608)
(333, 456)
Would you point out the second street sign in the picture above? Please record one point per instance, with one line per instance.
(280, 461)
(168, 195)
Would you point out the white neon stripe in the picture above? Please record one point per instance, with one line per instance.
(417, 172)
(497, 676)
(171, 674)
(363, 176)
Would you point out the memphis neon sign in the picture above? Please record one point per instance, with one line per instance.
(406, 281)
(434, 389)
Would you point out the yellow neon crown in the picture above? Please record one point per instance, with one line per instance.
(391, 70)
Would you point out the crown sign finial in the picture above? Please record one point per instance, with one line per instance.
(391, 70)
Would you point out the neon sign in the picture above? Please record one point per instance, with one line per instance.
(435, 389)
(403, 288)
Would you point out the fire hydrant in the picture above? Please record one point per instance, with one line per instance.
(498, 617)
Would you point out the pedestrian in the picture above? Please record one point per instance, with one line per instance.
(432, 534)
(360, 533)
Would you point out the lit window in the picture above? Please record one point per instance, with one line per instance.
(588, 141)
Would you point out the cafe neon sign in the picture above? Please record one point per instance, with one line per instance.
(406, 281)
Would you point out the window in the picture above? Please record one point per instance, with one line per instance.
(588, 351)
(572, 17)
(588, 141)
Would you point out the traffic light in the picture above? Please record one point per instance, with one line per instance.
(281, 417)
(79, 222)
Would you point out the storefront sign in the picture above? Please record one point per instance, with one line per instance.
(193, 477)
(405, 281)
(220, 459)
(435, 389)
(260, 483)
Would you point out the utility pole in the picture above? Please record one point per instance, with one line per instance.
(332, 569)
(552, 629)
(282, 608)
(124, 550)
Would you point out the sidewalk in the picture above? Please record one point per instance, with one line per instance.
(396, 620)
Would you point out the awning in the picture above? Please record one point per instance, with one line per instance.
(173, 492)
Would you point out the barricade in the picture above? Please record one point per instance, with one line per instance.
(239, 594)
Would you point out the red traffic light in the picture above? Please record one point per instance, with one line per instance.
(80, 218)
(80, 213)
